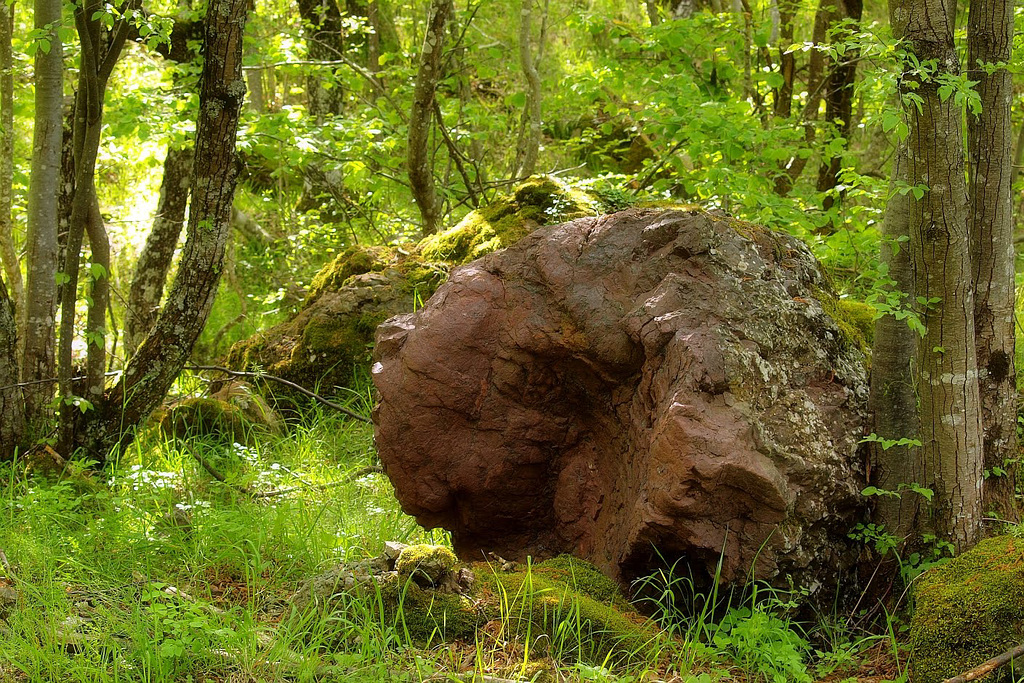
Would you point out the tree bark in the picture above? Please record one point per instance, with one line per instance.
(147, 288)
(40, 292)
(325, 41)
(99, 53)
(792, 171)
(12, 404)
(893, 399)
(839, 107)
(528, 147)
(420, 163)
(163, 354)
(951, 456)
(8, 253)
(990, 172)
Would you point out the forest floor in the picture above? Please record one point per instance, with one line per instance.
(155, 571)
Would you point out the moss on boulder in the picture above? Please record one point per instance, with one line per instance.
(968, 610)
(537, 202)
(427, 565)
(855, 319)
(365, 285)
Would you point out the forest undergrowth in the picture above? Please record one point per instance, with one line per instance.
(162, 573)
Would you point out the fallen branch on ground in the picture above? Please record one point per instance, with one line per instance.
(292, 385)
(988, 667)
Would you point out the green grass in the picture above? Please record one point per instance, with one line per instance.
(155, 571)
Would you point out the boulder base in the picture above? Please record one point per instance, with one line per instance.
(651, 383)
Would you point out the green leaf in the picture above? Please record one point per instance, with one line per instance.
(516, 100)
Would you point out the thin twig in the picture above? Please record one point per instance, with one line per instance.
(207, 466)
(302, 390)
(988, 667)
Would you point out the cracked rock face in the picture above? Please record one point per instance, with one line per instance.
(650, 383)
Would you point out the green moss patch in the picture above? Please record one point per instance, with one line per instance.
(535, 203)
(855, 319)
(968, 610)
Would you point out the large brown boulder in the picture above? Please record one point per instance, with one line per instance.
(651, 382)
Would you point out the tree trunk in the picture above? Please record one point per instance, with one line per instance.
(792, 171)
(787, 59)
(951, 456)
(8, 254)
(528, 147)
(147, 288)
(893, 382)
(325, 41)
(163, 354)
(839, 107)
(40, 292)
(421, 167)
(99, 53)
(990, 169)
(12, 404)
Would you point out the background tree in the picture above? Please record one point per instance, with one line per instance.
(147, 287)
(12, 404)
(8, 253)
(421, 169)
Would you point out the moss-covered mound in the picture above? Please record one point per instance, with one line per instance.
(535, 203)
(365, 285)
(969, 610)
(215, 419)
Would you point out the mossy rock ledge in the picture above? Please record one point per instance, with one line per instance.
(562, 603)
(968, 610)
(363, 286)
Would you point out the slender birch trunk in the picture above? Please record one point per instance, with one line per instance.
(420, 159)
(41, 272)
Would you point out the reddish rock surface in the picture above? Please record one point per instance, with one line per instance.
(653, 379)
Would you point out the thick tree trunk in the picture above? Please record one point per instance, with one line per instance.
(8, 254)
(990, 167)
(40, 291)
(528, 147)
(420, 162)
(893, 379)
(951, 456)
(163, 354)
(147, 288)
(12, 404)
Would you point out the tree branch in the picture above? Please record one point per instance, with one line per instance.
(292, 385)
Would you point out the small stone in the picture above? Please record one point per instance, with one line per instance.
(392, 549)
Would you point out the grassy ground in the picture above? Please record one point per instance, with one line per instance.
(162, 573)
